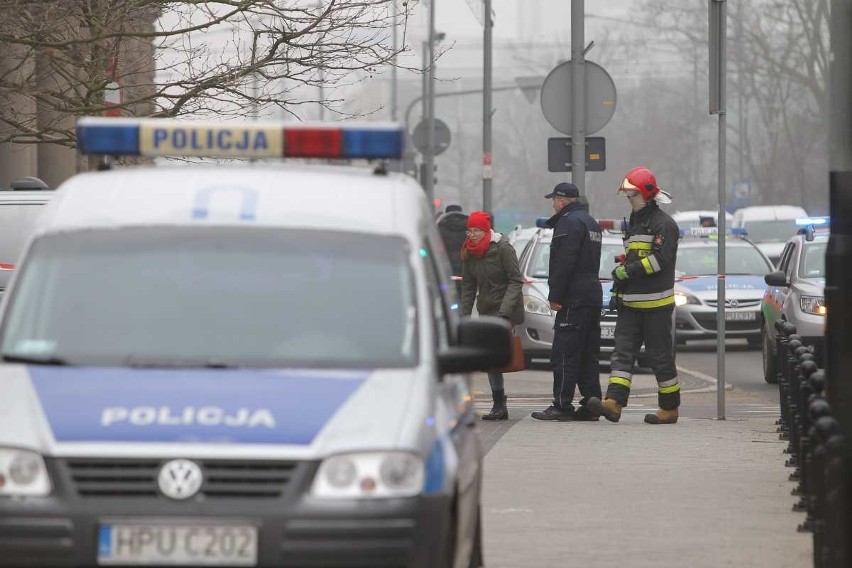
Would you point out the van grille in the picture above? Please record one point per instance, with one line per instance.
(138, 477)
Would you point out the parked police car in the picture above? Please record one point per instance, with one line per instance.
(796, 292)
(537, 330)
(242, 365)
(696, 295)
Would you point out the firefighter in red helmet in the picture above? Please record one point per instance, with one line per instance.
(643, 290)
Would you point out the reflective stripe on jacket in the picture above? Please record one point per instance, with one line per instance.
(650, 247)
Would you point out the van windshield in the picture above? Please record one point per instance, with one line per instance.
(771, 231)
(224, 297)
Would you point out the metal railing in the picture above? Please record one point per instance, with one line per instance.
(815, 449)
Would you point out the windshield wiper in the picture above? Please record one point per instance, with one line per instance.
(50, 360)
(131, 361)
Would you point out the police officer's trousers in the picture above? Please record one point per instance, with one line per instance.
(574, 356)
(654, 328)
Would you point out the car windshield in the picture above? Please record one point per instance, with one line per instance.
(539, 265)
(771, 231)
(214, 297)
(812, 264)
(701, 261)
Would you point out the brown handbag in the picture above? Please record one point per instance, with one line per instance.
(517, 362)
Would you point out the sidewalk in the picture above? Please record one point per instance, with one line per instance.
(699, 493)
(538, 385)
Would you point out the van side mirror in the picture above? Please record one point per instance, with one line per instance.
(777, 278)
(483, 343)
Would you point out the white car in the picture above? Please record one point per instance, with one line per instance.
(693, 218)
(769, 226)
(211, 365)
(696, 296)
(537, 330)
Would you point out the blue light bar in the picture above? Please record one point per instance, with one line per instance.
(162, 137)
(541, 222)
(813, 221)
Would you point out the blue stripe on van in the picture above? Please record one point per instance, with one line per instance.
(190, 405)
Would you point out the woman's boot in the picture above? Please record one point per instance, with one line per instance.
(499, 410)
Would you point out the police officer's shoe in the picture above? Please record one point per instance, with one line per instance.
(607, 408)
(583, 414)
(554, 414)
(662, 416)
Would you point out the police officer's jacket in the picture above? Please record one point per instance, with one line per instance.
(575, 258)
(650, 244)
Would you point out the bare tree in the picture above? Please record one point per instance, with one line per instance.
(778, 61)
(62, 58)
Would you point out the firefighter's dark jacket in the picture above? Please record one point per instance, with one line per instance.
(575, 258)
(650, 246)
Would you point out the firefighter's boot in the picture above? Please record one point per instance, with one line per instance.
(608, 408)
(662, 416)
(499, 410)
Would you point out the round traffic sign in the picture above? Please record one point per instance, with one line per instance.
(556, 97)
(442, 136)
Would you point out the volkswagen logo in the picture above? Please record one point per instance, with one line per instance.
(180, 479)
(732, 303)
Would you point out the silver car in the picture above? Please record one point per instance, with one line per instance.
(795, 293)
(696, 288)
(537, 329)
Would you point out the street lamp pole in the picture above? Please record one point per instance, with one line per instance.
(429, 156)
(487, 111)
(394, 77)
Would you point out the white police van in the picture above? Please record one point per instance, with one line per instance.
(244, 365)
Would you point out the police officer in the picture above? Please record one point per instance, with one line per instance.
(644, 290)
(575, 295)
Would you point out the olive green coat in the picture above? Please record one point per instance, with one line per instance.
(494, 281)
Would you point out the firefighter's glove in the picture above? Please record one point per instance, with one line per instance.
(620, 273)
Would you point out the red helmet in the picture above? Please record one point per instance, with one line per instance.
(642, 179)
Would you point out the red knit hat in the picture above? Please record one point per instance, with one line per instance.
(479, 220)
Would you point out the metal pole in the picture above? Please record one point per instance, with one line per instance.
(721, 222)
(424, 109)
(429, 156)
(578, 96)
(394, 76)
(487, 111)
(838, 256)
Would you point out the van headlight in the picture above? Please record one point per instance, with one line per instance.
(813, 305)
(536, 305)
(23, 473)
(369, 475)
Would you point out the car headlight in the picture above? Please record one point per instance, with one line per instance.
(536, 305)
(813, 305)
(369, 476)
(682, 298)
(23, 473)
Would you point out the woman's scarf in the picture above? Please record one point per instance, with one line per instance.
(476, 249)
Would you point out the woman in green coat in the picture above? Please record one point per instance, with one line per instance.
(491, 276)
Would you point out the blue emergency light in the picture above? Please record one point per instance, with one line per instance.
(541, 222)
(813, 221)
(162, 137)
